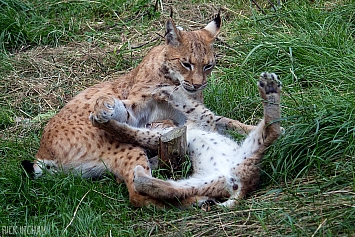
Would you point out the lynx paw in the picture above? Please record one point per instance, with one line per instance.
(269, 84)
(140, 179)
(103, 110)
(107, 108)
(163, 93)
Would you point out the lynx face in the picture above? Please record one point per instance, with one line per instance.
(190, 57)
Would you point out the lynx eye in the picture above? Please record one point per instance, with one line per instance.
(186, 65)
(208, 67)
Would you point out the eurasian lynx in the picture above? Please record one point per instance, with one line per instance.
(222, 167)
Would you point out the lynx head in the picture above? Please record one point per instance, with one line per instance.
(189, 55)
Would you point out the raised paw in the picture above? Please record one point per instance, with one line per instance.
(107, 108)
(269, 84)
(104, 109)
(269, 88)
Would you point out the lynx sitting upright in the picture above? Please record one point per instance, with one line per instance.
(70, 142)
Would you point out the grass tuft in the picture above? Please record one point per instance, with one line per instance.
(28, 24)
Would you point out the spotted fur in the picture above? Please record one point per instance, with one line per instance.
(70, 142)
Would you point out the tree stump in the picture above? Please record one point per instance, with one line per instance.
(172, 150)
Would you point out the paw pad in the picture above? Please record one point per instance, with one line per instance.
(269, 83)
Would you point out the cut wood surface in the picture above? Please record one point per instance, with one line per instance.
(172, 149)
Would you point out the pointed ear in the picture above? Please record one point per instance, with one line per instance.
(172, 35)
(214, 26)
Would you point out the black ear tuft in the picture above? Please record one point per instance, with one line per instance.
(214, 26)
(171, 12)
(28, 167)
(218, 19)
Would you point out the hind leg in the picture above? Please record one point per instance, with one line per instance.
(191, 190)
(109, 155)
(121, 162)
(268, 130)
(248, 172)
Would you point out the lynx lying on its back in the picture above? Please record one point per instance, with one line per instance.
(222, 167)
(70, 142)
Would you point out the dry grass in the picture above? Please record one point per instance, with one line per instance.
(51, 76)
(266, 213)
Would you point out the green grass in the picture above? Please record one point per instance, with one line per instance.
(50, 50)
(30, 23)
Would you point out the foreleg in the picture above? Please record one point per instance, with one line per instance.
(196, 113)
(111, 115)
(223, 124)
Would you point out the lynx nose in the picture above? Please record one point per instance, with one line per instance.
(197, 86)
(200, 86)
